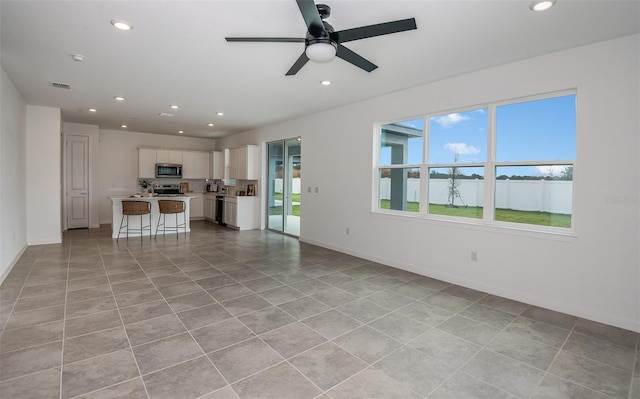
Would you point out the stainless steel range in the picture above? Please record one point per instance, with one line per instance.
(167, 190)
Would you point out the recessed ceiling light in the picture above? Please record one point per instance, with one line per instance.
(93, 110)
(210, 124)
(325, 82)
(174, 106)
(118, 98)
(122, 25)
(123, 126)
(219, 113)
(77, 57)
(541, 5)
(180, 131)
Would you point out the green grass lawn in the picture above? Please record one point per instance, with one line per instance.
(502, 215)
(294, 197)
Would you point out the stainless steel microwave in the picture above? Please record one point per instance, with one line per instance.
(168, 170)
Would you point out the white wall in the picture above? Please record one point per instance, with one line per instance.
(118, 152)
(43, 175)
(594, 274)
(13, 155)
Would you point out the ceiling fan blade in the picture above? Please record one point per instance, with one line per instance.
(266, 39)
(355, 59)
(312, 18)
(364, 32)
(303, 59)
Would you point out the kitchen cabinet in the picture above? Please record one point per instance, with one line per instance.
(146, 163)
(230, 217)
(217, 165)
(243, 163)
(169, 156)
(242, 212)
(210, 207)
(196, 206)
(196, 165)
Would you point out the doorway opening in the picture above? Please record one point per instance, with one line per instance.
(284, 173)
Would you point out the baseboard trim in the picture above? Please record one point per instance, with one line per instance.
(585, 313)
(13, 262)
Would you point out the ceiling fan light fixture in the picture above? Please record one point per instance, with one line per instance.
(541, 5)
(321, 51)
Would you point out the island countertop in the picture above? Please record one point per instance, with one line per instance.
(134, 221)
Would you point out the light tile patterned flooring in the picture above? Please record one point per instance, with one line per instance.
(227, 314)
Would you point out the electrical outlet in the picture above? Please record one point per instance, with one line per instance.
(474, 256)
(317, 190)
(309, 189)
(347, 231)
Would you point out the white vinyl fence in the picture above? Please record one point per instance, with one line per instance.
(552, 196)
(525, 195)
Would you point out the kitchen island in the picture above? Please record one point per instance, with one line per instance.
(134, 221)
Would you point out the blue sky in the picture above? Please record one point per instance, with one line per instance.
(541, 130)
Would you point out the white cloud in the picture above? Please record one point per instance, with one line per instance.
(450, 119)
(551, 170)
(462, 148)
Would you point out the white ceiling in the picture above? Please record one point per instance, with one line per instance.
(176, 54)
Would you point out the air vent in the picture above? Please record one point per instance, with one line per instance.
(165, 114)
(60, 85)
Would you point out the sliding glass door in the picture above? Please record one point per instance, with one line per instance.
(284, 175)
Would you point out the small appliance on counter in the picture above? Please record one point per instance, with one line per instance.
(212, 186)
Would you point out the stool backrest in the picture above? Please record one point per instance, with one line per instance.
(171, 206)
(136, 207)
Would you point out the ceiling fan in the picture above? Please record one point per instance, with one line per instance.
(322, 43)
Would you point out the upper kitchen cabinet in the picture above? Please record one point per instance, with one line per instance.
(169, 156)
(196, 165)
(146, 163)
(243, 163)
(217, 165)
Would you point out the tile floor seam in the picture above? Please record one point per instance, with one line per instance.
(201, 247)
(635, 367)
(105, 388)
(122, 326)
(548, 371)
(4, 327)
(204, 353)
(64, 323)
(483, 347)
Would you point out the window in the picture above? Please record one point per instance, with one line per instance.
(400, 158)
(507, 162)
(457, 157)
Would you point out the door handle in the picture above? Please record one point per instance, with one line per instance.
(84, 193)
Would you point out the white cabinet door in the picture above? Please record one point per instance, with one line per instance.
(252, 162)
(233, 163)
(146, 163)
(189, 168)
(231, 212)
(196, 207)
(202, 161)
(210, 207)
(169, 156)
(217, 165)
(195, 165)
(243, 163)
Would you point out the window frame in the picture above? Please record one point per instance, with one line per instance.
(490, 166)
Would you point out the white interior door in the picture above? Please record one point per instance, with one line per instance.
(77, 182)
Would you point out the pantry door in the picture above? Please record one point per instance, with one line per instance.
(77, 158)
(284, 178)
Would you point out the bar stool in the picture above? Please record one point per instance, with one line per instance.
(135, 208)
(168, 207)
